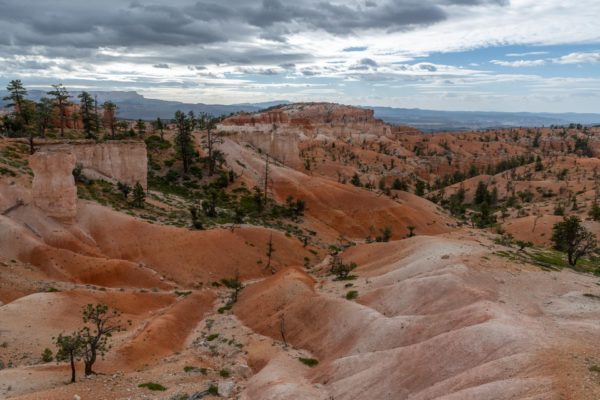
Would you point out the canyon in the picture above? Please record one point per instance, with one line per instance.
(433, 306)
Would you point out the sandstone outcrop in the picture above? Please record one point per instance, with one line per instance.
(53, 188)
(307, 114)
(114, 161)
(280, 131)
(122, 161)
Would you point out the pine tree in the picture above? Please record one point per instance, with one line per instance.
(573, 238)
(43, 114)
(139, 196)
(185, 149)
(17, 93)
(61, 100)
(104, 322)
(140, 126)
(70, 347)
(110, 116)
(88, 114)
(208, 123)
(159, 126)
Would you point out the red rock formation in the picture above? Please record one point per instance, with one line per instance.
(304, 114)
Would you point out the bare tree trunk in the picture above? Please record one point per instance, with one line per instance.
(282, 329)
(72, 367)
(31, 146)
(211, 165)
(266, 179)
(61, 110)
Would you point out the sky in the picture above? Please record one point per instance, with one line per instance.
(480, 55)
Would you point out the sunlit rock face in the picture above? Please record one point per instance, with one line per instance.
(124, 162)
(53, 188)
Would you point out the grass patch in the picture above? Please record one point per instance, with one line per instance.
(212, 337)
(351, 295)
(191, 368)
(225, 373)
(222, 310)
(311, 362)
(153, 386)
(594, 368)
(183, 294)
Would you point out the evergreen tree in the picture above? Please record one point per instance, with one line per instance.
(43, 115)
(104, 322)
(61, 101)
(70, 347)
(481, 193)
(88, 114)
(208, 123)
(159, 125)
(140, 126)
(110, 116)
(185, 149)
(139, 196)
(420, 188)
(573, 238)
(595, 211)
(16, 96)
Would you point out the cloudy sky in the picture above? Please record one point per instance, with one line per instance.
(503, 55)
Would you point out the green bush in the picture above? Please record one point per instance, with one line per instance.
(311, 362)
(351, 295)
(154, 142)
(153, 386)
(213, 390)
(47, 355)
(212, 337)
(225, 373)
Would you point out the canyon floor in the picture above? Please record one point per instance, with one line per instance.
(438, 309)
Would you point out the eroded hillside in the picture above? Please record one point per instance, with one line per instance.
(233, 281)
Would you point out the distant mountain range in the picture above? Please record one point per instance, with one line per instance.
(430, 120)
(133, 106)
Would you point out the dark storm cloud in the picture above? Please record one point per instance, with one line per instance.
(70, 29)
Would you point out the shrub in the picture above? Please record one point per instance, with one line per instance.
(351, 295)
(153, 386)
(311, 362)
(47, 355)
(225, 373)
(212, 337)
(341, 270)
(213, 390)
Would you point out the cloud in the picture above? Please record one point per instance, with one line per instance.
(579, 58)
(355, 49)
(228, 48)
(519, 63)
(526, 54)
